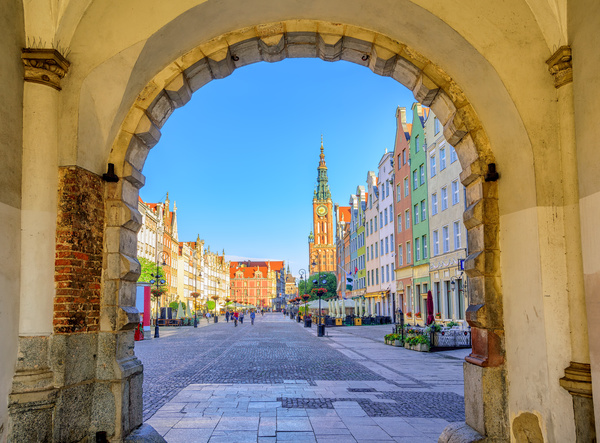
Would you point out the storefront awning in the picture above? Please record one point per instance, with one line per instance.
(377, 294)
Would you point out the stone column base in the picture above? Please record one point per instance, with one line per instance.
(578, 381)
(460, 433)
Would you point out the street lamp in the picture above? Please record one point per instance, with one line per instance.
(320, 326)
(161, 256)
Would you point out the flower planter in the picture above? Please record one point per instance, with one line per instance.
(406, 346)
(397, 343)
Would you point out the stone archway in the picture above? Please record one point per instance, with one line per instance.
(486, 388)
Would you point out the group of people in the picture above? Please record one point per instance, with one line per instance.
(236, 316)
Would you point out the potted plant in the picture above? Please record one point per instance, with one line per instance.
(418, 315)
(422, 343)
(409, 315)
(397, 340)
(438, 315)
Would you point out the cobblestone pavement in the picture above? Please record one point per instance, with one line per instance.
(278, 381)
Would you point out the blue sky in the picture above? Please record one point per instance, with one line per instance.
(240, 159)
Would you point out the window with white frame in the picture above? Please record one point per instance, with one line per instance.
(422, 174)
(436, 243)
(416, 143)
(375, 223)
(416, 214)
(424, 241)
(455, 194)
(386, 215)
(391, 242)
(417, 249)
(404, 156)
(391, 212)
(453, 156)
(432, 170)
(400, 256)
(408, 252)
(399, 222)
(398, 192)
(406, 187)
(442, 159)
(387, 188)
(415, 179)
(387, 250)
(445, 239)
(444, 198)
(436, 125)
(456, 235)
(381, 219)
(367, 254)
(381, 246)
(423, 213)
(407, 219)
(387, 273)
(434, 203)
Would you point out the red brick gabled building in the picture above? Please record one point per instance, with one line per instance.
(255, 282)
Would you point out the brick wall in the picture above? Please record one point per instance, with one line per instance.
(79, 243)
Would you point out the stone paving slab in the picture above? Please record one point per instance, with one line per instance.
(277, 381)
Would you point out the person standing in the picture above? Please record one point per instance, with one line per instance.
(252, 316)
(242, 317)
(235, 318)
(227, 316)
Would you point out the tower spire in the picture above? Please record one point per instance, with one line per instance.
(322, 192)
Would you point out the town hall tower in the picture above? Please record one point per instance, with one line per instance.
(321, 247)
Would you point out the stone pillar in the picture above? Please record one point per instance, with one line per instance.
(577, 380)
(33, 395)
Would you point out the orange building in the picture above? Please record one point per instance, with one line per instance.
(254, 282)
(321, 247)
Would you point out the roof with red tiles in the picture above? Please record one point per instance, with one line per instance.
(249, 267)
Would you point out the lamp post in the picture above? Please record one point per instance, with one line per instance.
(216, 320)
(320, 326)
(159, 282)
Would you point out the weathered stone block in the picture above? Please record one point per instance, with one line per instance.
(123, 240)
(120, 214)
(245, 52)
(104, 408)
(73, 358)
(137, 152)
(33, 353)
(135, 400)
(161, 108)
(474, 215)
(442, 107)
(460, 433)
(73, 413)
(179, 91)
(329, 47)
(122, 266)
(128, 317)
(302, 44)
(221, 64)
(272, 48)
(471, 172)
(30, 421)
(425, 91)
(133, 175)
(466, 150)
(144, 434)
(147, 131)
(199, 74)
(474, 405)
(356, 51)
(381, 65)
(406, 73)
(455, 129)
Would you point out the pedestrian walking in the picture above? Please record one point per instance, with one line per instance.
(208, 317)
(252, 316)
(235, 318)
(227, 316)
(242, 318)
(262, 312)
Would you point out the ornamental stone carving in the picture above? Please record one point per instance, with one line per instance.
(560, 66)
(45, 66)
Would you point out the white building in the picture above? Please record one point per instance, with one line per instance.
(446, 228)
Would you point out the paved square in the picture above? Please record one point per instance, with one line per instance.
(277, 381)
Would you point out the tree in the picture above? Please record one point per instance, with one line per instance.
(149, 269)
(326, 280)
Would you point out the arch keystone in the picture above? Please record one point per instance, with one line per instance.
(425, 91)
(329, 47)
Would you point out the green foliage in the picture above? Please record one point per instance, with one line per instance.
(452, 323)
(149, 269)
(175, 306)
(330, 284)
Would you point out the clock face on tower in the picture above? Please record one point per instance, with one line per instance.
(321, 210)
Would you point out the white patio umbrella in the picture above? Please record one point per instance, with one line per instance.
(179, 310)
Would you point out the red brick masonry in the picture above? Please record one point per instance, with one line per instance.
(79, 243)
